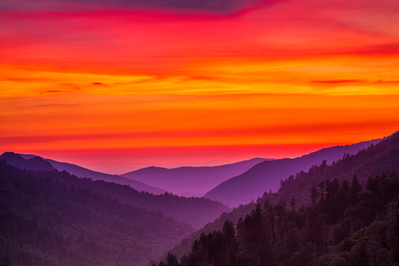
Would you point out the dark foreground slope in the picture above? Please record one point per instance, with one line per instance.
(267, 175)
(375, 160)
(83, 172)
(190, 181)
(345, 226)
(51, 218)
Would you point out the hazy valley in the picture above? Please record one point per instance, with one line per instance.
(55, 213)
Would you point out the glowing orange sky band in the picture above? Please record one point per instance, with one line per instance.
(303, 73)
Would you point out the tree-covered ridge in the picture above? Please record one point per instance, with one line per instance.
(185, 246)
(53, 218)
(375, 160)
(345, 226)
(195, 211)
(379, 159)
(267, 175)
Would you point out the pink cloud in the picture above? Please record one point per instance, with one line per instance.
(219, 7)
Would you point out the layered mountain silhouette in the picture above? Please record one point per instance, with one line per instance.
(194, 211)
(381, 159)
(53, 218)
(49, 217)
(32, 162)
(267, 175)
(190, 181)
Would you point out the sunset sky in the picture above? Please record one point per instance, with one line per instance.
(118, 85)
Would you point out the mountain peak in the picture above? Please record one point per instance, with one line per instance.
(190, 180)
(35, 164)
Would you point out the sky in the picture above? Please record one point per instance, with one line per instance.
(118, 85)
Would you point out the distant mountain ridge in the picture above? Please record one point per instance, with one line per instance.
(34, 163)
(194, 211)
(267, 175)
(77, 171)
(191, 181)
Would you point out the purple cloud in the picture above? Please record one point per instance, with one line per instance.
(213, 6)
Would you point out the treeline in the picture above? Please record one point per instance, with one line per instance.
(375, 160)
(185, 245)
(53, 218)
(345, 225)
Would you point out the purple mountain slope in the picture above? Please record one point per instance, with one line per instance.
(267, 175)
(190, 181)
(83, 172)
(34, 163)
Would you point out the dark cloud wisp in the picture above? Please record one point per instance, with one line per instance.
(211, 6)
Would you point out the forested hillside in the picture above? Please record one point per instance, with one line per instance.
(310, 193)
(50, 218)
(380, 159)
(195, 211)
(185, 246)
(267, 175)
(345, 226)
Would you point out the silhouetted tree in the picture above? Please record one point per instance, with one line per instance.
(355, 188)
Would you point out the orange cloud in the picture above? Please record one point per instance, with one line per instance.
(293, 74)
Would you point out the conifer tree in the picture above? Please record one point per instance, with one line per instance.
(355, 188)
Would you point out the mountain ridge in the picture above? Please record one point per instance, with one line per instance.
(80, 171)
(191, 180)
(267, 175)
(34, 163)
(379, 159)
(54, 218)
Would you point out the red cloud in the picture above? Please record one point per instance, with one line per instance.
(338, 81)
